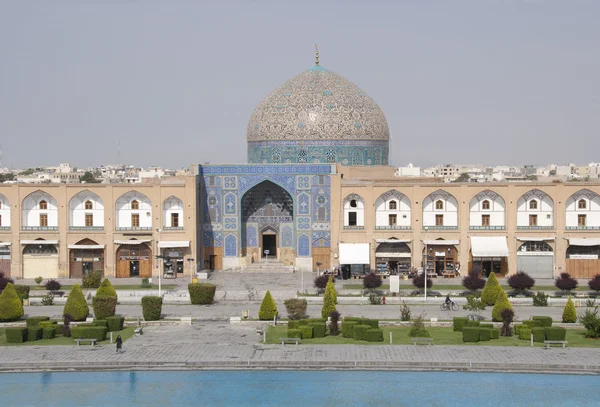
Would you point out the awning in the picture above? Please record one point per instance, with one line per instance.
(536, 239)
(584, 242)
(393, 255)
(441, 242)
(489, 246)
(132, 242)
(86, 246)
(173, 244)
(393, 240)
(39, 241)
(354, 253)
(3, 244)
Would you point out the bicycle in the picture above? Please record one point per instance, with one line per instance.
(447, 307)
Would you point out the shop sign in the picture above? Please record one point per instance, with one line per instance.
(583, 257)
(522, 253)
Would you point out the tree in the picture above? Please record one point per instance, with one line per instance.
(372, 281)
(501, 304)
(464, 177)
(329, 299)
(76, 306)
(566, 283)
(88, 178)
(594, 283)
(473, 282)
(11, 307)
(268, 308)
(521, 282)
(7, 177)
(4, 281)
(569, 314)
(491, 290)
(508, 316)
(106, 289)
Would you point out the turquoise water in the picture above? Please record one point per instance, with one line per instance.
(295, 388)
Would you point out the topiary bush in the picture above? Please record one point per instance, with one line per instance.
(319, 329)
(321, 282)
(521, 282)
(594, 283)
(544, 321)
(44, 324)
(539, 334)
(540, 300)
(569, 314)
(296, 308)
(49, 332)
(52, 285)
(501, 304)
(566, 283)
(35, 321)
(294, 333)
(307, 331)
(334, 328)
(151, 307)
(268, 308)
(16, 334)
(104, 306)
(491, 290)
(293, 324)
(530, 323)
(89, 332)
(34, 333)
(92, 279)
(473, 281)
(22, 291)
(525, 333)
(419, 282)
(518, 328)
(486, 326)
(591, 322)
(115, 323)
(555, 333)
(458, 323)
(106, 289)
(470, 334)
(374, 335)
(472, 323)
(360, 332)
(372, 281)
(11, 307)
(494, 333)
(202, 293)
(76, 306)
(328, 299)
(100, 322)
(484, 334)
(348, 328)
(38, 280)
(368, 321)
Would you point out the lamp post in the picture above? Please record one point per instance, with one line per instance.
(191, 263)
(159, 256)
(425, 264)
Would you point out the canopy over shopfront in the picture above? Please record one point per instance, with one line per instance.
(584, 242)
(535, 239)
(440, 242)
(132, 242)
(173, 244)
(39, 241)
(489, 246)
(354, 253)
(86, 246)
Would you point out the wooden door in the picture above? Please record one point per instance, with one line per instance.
(321, 255)
(146, 268)
(123, 269)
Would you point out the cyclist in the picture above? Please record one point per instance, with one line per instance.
(448, 302)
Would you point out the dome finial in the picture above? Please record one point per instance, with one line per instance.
(316, 55)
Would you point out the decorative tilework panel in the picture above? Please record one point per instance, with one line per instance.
(303, 246)
(303, 223)
(251, 237)
(287, 239)
(212, 239)
(325, 236)
(231, 223)
(250, 169)
(303, 204)
(230, 246)
(287, 182)
(303, 182)
(229, 183)
(230, 204)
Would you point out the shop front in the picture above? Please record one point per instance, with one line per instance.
(134, 259)
(40, 258)
(535, 256)
(393, 256)
(583, 257)
(489, 254)
(172, 254)
(354, 259)
(5, 258)
(441, 258)
(84, 257)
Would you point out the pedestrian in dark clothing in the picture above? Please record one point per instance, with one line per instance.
(119, 344)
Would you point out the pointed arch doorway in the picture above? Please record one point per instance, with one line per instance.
(269, 242)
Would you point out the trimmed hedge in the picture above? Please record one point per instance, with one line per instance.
(76, 306)
(470, 334)
(357, 319)
(293, 324)
(360, 332)
(35, 321)
(11, 306)
(373, 323)
(518, 328)
(374, 335)
(490, 326)
(472, 324)
(532, 323)
(307, 331)
(16, 334)
(100, 322)
(104, 306)
(539, 334)
(545, 321)
(484, 334)
(294, 333)
(106, 289)
(525, 333)
(45, 324)
(89, 332)
(458, 323)
(151, 307)
(494, 333)
(319, 329)
(22, 291)
(555, 333)
(34, 333)
(115, 323)
(348, 328)
(268, 308)
(49, 332)
(202, 293)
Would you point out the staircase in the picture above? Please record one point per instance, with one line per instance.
(270, 266)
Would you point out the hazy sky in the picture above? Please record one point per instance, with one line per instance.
(460, 81)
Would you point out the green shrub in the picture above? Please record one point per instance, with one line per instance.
(374, 323)
(348, 328)
(546, 321)
(16, 334)
(293, 324)
(569, 314)
(307, 331)
(106, 289)
(417, 329)
(92, 280)
(532, 323)
(329, 299)
(540, 300)
(494, 333)
(539, 334)
(202, 293)
(151, 307)
(268, 308)
(49, 332)
(484, 334)
(472, 323)
(374, 335)
(34, 321)
(319, 329)
(115, 323)
(555, 333)
(357, 319)
(38, 280)
(458, 323)
(470, 334)
(360, 332)
(100, 322)
(501, 304)
(525, 333)
(104, 306)
(294, 333)
(296, 307)
(22, 291)
(11, 307)
(146, 283)
(76, 306)
(44, 324)
(490, 326)
(34, 333)
(89, 332)
(519, 327)
(491, 290)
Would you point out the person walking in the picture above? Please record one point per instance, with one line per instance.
(119, 344)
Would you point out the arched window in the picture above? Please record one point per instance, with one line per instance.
(393, 205)
(43, 205)
(439, 205)
(135, 204)
(485, 204)
(533, 204)
(581, 204)
(353, 203)
(88, 205)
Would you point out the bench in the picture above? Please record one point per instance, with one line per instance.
(80, 340)
(138, 331)
(429, 341)
(548, 343)
(284, 340)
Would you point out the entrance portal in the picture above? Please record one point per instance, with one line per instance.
(269, 242)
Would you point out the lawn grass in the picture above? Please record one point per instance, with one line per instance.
(126, 333)
(116, 287)
(440, 335)
(457, 287)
